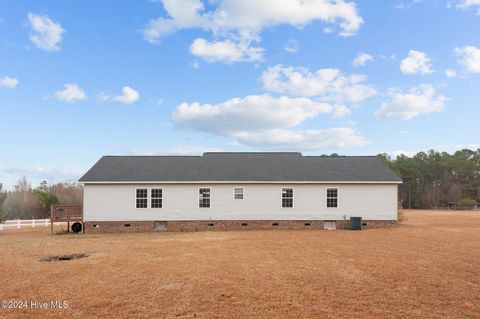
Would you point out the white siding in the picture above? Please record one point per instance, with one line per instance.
(116, 202)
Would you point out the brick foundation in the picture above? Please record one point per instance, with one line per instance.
(223, 225)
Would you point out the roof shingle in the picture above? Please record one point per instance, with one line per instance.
(221, 167)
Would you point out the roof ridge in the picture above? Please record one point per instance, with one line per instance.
(151, 156)
(252, 153)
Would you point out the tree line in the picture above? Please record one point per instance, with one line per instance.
(25, 202)
(430, 180)
(438, 179)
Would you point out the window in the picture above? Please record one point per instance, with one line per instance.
(287, 197)
(332, 197)
(238, 193)
(156, 198)
(204, 198)
(142, 198)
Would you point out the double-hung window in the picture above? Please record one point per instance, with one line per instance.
(204, 198)
(156, 197)
(238, 193)
(332, 197)
(287, 197)
(141, 198)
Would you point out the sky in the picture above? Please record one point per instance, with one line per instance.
(83, 79)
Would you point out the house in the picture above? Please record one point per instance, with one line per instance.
(220, 190)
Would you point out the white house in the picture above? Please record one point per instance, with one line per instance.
(237, 191)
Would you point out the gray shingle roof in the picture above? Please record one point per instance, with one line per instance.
(221, 167)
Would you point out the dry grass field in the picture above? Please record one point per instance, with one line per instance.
(429, 267)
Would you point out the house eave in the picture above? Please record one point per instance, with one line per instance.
(240, 182)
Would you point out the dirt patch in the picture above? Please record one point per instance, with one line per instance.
(64, 257)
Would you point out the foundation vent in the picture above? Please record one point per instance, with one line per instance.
(329, 225)
(160, 226)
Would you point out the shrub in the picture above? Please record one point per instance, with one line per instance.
(466, 204)
(3, 217)
(46, 199)
(401, 215)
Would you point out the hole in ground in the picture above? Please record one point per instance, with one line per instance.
(64, 257)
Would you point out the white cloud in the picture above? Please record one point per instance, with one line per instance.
(416, 62)
(8, 82)
(292, 46)
(226, 51)
(451, 73)
(195, 64)
(177, 150)
(303, 139)
(328, 84)
(362, 59)
(242, 22)
(266, 121)
(407, 5)
(469, 57)
(468, 4)
(341, 111)
(418, 101)
(128, 96)
(70, 93)
(254, 112)
(183, 14)
(46, 34)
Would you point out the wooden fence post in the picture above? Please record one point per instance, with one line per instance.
(51, 221)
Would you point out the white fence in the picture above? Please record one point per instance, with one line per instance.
(25, 223)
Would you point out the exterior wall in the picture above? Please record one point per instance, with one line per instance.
(262, 202)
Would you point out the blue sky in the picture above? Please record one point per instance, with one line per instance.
(82, 79)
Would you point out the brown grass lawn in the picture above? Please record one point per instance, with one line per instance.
(429, 267)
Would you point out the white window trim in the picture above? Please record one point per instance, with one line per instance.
(326, 197)
(281, 197)
(150, 197)
(135, 198)
(243, 193)
(198, 197)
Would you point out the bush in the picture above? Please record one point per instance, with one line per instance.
(401, 215)
(46, 199)
(466, 204)
(3, 217)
